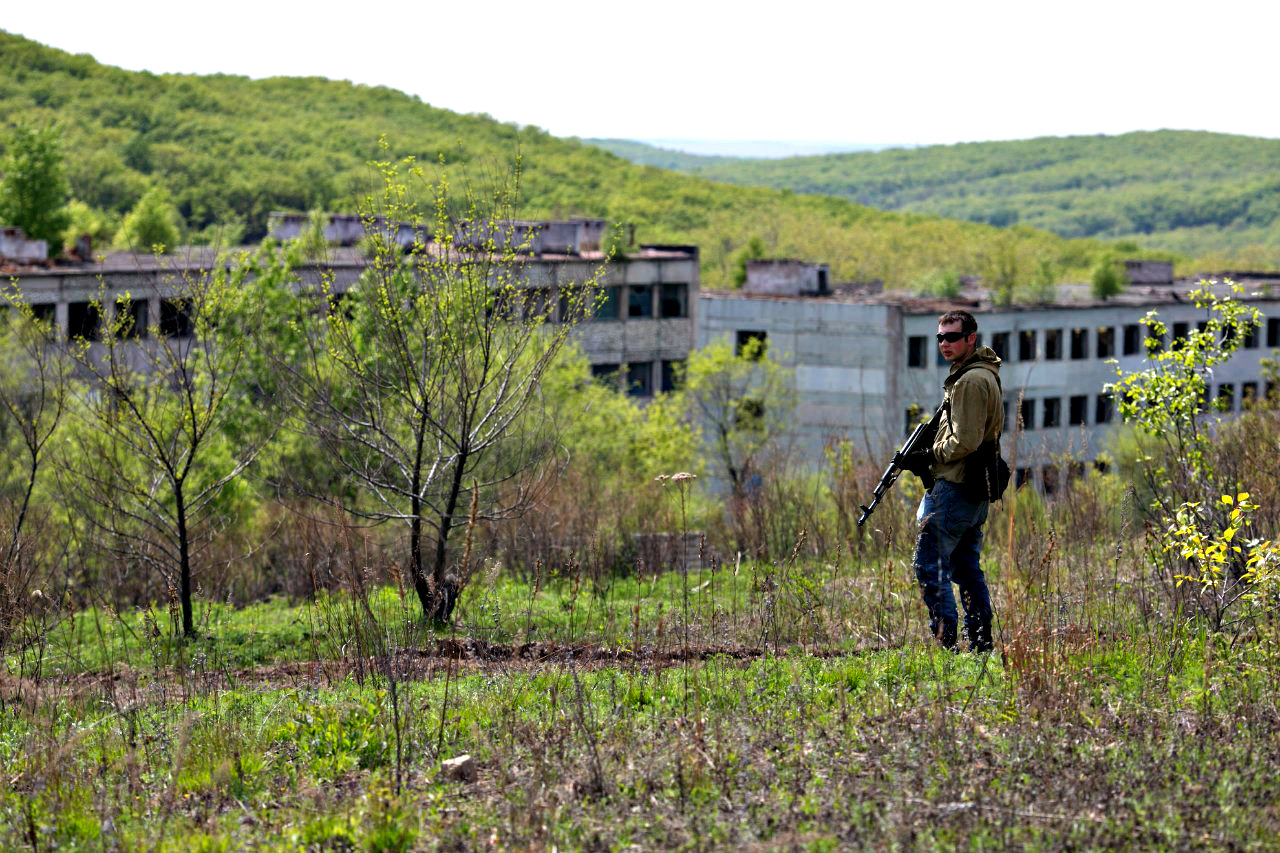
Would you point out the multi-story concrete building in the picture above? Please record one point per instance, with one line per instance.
(643, 327)
(866, 363)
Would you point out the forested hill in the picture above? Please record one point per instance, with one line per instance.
(1186, 190)
(231, 149)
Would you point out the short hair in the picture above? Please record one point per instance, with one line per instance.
(968, 325)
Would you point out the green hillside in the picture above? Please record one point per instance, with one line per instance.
(231, 149)
(1193, 192)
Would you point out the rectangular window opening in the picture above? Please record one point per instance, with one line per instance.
(1133, 339)
(1103, 410)
(1079, 344)
(917, 346)
(1078, 410)
(135, 319)
(672, 374)
(1027, 345)
(1000, 343)
(1027, 414)
(751, 343)
(1052, 344)
(674, 301)
(1106, 342)
(639, 301)
(1052, 412)
(83, 321)
(640, 379)
(175, 322)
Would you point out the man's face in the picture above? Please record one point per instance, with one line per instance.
(958, 350)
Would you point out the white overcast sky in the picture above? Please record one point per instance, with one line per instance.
(904, 72)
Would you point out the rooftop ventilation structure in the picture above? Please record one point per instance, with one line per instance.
(786, 277)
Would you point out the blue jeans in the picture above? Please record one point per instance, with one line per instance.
(947, 552)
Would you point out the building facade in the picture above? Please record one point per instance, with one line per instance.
(642, 329)
(867, 366)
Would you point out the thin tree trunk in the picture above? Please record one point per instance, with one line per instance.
(184, 565)
(446, 587)
(420, 584)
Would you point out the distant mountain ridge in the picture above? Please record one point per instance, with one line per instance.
(1189, 191)
(230, 149)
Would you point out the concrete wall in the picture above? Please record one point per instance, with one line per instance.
(15, 246)
(854, 380)
(786, 278)
(1040, 378)
(841, 352)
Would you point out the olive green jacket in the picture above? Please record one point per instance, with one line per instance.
(976, 413)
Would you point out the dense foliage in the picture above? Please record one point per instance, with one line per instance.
(229, 150)
(1186, 191)
(33, 190)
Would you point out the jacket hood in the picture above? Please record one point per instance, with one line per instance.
(984, 358)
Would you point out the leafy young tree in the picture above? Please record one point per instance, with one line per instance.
(166, 425)
(84, 221)
(741, 404)
(152, 225)
(33, 397)
(1168, 402)
(753, 251)
(1108, 280)
(33, 188)
(424, 388)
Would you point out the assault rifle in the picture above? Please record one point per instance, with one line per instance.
(921, 437)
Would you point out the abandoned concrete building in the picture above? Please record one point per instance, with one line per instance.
(866, 364)
(642, 328)
(865, 360)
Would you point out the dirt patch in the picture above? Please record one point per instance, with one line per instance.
(460, 655)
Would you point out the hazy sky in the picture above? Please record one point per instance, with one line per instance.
(909, 72)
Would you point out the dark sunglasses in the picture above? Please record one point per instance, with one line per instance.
(951, 337)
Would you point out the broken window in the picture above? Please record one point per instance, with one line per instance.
(1027, 414)
(606, 305)
(917, 345)
(83, 321)
(1078, 410)
(1052, 344)
(1179, 335)
(175, 321)
(1103, 410)
(1052, 412)
(1079, 344)
(1132, 339)
(45, 313)
(1000, 343)
(640, 379)
(1106, 342)
(1227, 397)
(749, 414)
(672, 374)
(639, 301)
(751, 343)
(1248, 394)
(134, 316)
(1027, 345)
(673, 301)
(605, 373)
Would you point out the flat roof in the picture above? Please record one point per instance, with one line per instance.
(1070, 296)
(187, 258)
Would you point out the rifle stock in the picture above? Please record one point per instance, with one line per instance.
(921, 436)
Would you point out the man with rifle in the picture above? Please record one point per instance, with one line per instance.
(963, 461)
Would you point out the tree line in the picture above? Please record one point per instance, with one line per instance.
(208, 157)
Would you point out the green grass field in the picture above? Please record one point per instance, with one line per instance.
(788, 707)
